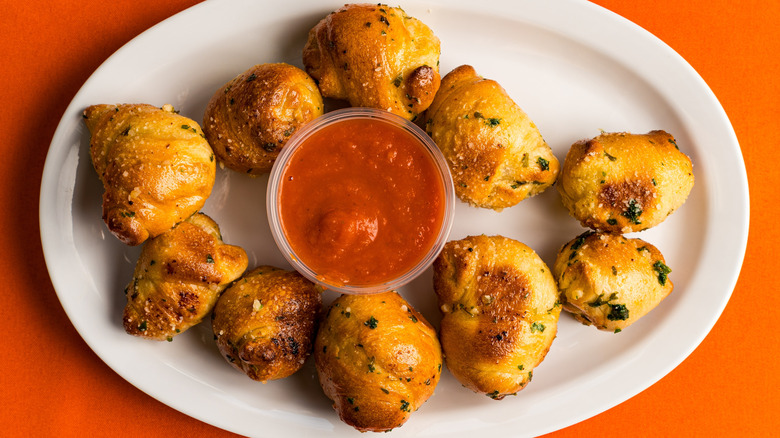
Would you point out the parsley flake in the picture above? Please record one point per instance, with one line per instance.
(371, 322)
(663, 271)
(617, 312)
(633, 212)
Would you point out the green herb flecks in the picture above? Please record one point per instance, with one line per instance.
(371, 322)
(633, 212)
(578, 242)
(600, 300)
(493, 121)
(543, 164)
(617, 312)
(663, 271)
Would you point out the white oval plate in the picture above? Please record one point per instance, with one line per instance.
(574, 67)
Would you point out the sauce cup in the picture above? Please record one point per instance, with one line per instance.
(360, 201)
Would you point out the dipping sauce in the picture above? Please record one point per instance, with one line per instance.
(361, 201)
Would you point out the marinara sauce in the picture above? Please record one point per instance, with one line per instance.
(361, 202)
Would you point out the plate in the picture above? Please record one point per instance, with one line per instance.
(574, 67)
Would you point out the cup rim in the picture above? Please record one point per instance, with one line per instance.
(292, 145)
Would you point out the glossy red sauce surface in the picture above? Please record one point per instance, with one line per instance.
(361, 202)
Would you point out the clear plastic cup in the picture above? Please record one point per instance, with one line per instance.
(275, 218)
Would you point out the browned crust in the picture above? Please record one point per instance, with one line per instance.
(623, 182)
(178, 278)
(496, 154)
(610, 281)
(374, 56)
(378, 359)
(265, 323)
(156, 167)
(500, 312)
(250, 118)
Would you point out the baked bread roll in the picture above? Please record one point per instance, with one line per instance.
(500, 312)
(249, 119)
(377, 358)
(610, 281)
(265, 322)
(496, 154)
(375, 56)
(178, 278)
(155, 165)
(621, 182)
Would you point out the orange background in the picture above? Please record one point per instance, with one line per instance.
(52, 384)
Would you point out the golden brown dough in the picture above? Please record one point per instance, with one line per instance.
(178, 278)
(375, 56)
(610, 281)
(377, 358)
(265, 322)
(155, 165)
(500, 306)
(249, 119)
(496, 154)
(621, 182)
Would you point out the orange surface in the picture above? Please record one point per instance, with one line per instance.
(54, 385)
